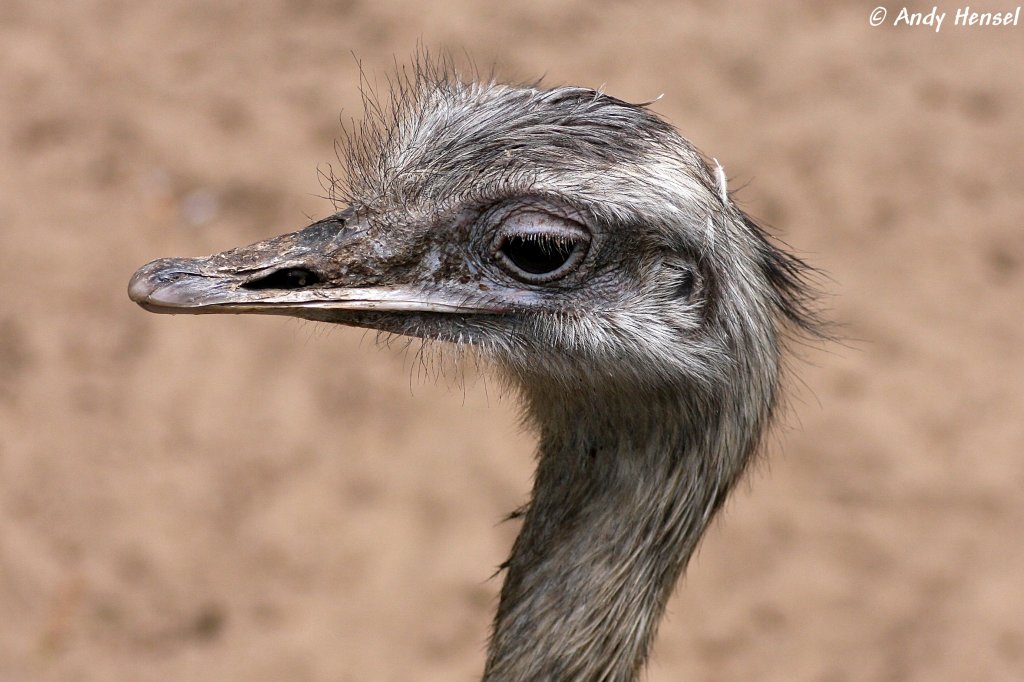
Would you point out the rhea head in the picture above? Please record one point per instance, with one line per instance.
(575, 239)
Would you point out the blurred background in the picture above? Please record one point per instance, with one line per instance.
(231, 498)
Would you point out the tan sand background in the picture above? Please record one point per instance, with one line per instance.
(263, 499)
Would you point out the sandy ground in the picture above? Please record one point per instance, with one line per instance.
(261, 499)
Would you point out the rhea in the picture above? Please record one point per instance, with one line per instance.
(597, 259)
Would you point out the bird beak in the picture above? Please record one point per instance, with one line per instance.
(334, 266)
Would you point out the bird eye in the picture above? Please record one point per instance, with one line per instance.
(540, 253)
(537, 254)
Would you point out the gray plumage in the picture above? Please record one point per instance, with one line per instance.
(590, 252)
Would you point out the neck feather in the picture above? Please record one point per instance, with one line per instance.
(618, 506)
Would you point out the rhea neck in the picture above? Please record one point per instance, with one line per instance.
(624, 487)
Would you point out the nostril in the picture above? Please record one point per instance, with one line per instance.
(288, 278)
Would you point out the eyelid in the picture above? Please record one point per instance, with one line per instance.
(541, 204)
(568, 229)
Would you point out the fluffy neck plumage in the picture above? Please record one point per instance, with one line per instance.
(619, 504)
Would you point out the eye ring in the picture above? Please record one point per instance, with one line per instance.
(540, 253)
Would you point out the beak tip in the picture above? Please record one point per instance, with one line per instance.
(159, 284)
(140, 287)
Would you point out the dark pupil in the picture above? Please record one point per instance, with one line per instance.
(537, 254)
(290, 278)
